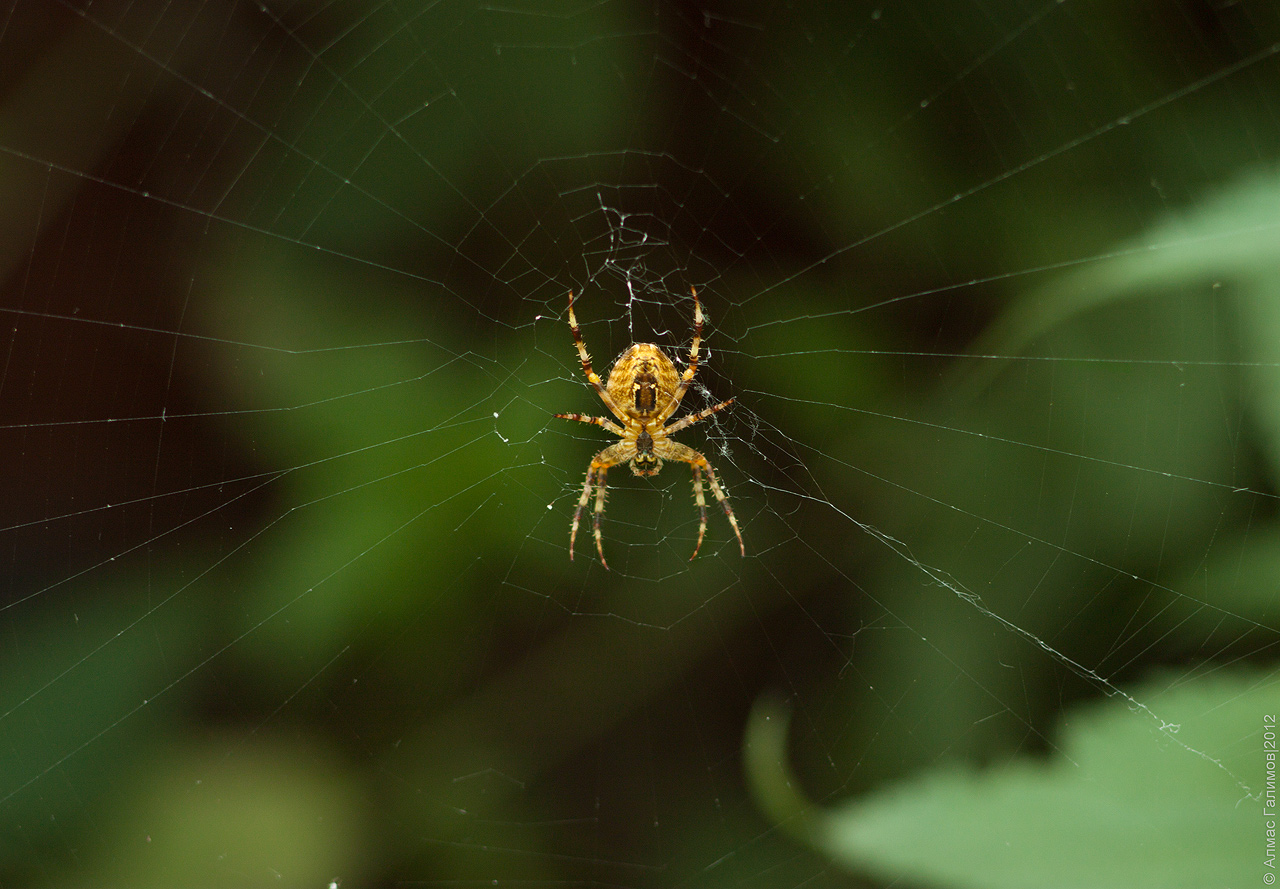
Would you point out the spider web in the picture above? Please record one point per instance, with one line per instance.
(288, 591)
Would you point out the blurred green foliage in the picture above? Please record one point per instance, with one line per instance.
(995, 295)
(1123, 801)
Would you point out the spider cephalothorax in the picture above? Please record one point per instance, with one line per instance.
(643, 391)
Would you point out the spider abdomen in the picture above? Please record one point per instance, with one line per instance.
(643, 379)
(646, 389)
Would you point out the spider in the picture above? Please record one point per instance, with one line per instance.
(643, 392)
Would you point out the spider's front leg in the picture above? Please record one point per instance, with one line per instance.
(582, 504)
(599, 511)
(673, 450)
(600, 464)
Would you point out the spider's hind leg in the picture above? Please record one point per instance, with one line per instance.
(592, 377)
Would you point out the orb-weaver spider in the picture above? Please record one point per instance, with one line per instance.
(643, 392)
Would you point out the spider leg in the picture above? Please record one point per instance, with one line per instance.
(595, 421)
(592, 377)
(702, 509)
(599, 511)
(577, 513)
(673, 450)
(724, 502)
(600, 464)
(690, 419)
(686, 379)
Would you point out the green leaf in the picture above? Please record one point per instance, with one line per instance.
(1121, 801)
(1231, 235)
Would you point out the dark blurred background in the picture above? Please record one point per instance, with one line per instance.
(287, 591)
